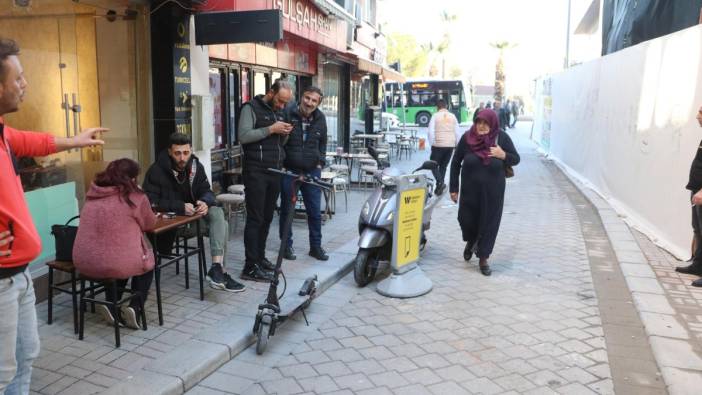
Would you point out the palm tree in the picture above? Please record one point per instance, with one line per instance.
(500, 67)
(447, 20)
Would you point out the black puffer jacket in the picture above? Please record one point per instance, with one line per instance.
(166, 193)
(306, 154)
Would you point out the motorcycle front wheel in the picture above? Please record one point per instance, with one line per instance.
(364, 267)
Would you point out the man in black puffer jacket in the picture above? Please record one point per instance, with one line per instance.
(177, 182)
(305, 153)
(263, 132)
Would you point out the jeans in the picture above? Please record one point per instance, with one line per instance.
(262, 190)
(312, 197)
(19, 338)
(697, 229)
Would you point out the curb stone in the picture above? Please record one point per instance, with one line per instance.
(181, 369)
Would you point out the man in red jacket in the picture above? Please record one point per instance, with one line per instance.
(19, 240)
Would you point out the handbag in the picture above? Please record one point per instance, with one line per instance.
(65, 236)
(509, 171)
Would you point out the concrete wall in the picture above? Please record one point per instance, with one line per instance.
(625, 124)
(200, 85)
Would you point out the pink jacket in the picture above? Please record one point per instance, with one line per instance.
(110, 242)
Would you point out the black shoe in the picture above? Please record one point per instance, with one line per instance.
(697, 283)
(232, 285)
(485, 270)
(289, 254)
(468, 252)
(254, 273)
(216, 276)
(319, 253)
(267, 265)
(693, 268)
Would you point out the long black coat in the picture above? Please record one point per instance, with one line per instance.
(482, 192)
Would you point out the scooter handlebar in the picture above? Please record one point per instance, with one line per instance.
(303, 178)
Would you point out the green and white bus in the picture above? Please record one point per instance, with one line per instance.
(415, 100)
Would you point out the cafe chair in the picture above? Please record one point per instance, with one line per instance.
(114, 307)
(68, 268)
(237, 189)
(234, 204)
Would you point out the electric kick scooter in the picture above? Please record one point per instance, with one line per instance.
(271, 314)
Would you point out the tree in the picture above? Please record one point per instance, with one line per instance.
(456, 72)
(500, 68)
(446, 20)
(412, 56)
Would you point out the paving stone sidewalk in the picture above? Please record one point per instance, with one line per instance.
(197, 336)
(555, 317)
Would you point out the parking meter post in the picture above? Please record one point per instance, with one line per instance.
(407, 279)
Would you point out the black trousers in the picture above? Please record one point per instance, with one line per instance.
(442, 156)
(262, 190)
(697, 229)
(141, 283)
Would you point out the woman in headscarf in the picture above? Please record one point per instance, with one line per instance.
(480, 158)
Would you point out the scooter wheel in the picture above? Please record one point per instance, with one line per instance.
(264, 329)
(363, 270)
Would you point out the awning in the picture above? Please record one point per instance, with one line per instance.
(334, 9)
(377, 68)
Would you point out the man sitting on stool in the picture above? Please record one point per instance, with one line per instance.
(177, 182)
(305, 153)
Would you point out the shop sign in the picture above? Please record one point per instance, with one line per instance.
(305, 15)
(181, 70)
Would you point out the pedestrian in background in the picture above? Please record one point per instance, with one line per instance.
(443, 134)
(477, 110)
(110, 242)
(480, 159)
(694, 185)
(19, 239)
(514, 109)
(305, 153)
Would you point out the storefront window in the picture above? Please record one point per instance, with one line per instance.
(330, 104)
(218, 116)
(360, 99)
(82, 72)
(245, 89)
(259, 87)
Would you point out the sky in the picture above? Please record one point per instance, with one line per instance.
(537, 27)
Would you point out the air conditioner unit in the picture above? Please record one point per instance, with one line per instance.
(203, 122)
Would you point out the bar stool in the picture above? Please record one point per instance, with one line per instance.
(65, 267)
(114, 306)
(234, 203)
(237, 189)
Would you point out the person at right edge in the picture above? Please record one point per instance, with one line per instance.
(305, 153)
(694, 185)
(480, 158)
(263, 133)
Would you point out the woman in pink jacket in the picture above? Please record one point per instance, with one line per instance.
(110, 242)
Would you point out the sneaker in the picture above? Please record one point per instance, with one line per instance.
(106, 314)
(255, 273)
(319, 253)
(289, 254)
(216, 276)
(692, 268)
(232, 285)
(130, 317)
(267, 265)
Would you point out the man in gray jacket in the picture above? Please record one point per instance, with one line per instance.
(262, 132)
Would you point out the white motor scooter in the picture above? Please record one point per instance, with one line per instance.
(375, 224)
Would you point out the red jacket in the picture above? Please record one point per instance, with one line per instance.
(110, 241)
(13, 206)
